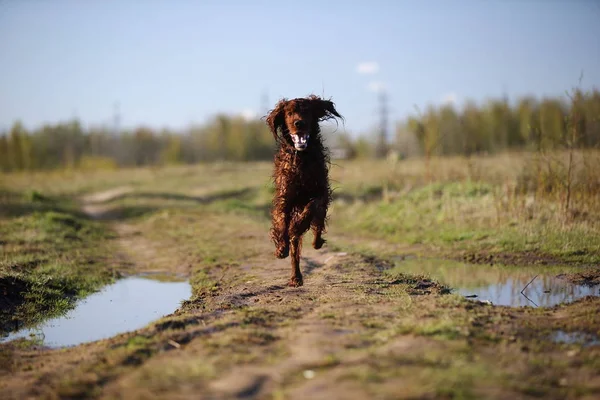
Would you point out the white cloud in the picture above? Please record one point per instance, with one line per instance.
(248, 114)
(376, 86)
(450, 98)
(368, 67)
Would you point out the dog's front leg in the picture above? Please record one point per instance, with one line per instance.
(280, 226)
(295, 247)
(299, 224)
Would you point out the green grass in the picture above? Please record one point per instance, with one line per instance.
(464, 216)
(51, 257)
(472, 205)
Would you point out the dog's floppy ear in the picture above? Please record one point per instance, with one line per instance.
(324, 109)
(275, 118)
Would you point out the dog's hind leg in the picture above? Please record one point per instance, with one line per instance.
(318, 224)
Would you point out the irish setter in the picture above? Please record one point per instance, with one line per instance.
(301, 176)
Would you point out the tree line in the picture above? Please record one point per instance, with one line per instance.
(496, 125)
(69, 145)
(490, 127)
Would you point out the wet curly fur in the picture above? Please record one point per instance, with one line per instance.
(301, 176)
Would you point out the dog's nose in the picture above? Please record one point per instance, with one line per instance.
(299, 124)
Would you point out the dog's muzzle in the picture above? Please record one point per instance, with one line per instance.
(300, 141)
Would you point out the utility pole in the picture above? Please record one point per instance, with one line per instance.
(116, 148)
(505, 109)
(116, 118)
(264, 103)
(382, 142)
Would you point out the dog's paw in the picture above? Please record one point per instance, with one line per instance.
(318, 243)
(296, 281)
(282, 252)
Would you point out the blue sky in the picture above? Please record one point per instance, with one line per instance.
(172, 63)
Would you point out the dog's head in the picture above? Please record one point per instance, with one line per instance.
(295, 120)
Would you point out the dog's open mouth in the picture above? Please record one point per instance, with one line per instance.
(300, 141)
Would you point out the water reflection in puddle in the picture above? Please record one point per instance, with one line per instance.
(501, 285)
(130, 303)
(584, 339)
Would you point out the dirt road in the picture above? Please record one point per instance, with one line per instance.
(352, 331)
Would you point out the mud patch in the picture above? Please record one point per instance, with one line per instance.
(129, 304)
(521, 258)
(586, 278)
(500, 285)
(417, 285)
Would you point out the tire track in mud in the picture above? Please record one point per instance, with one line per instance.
(95, 205)
(140, 254)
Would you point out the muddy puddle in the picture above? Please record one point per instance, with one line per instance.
(581, 338)
(500, 285)
(129, 304)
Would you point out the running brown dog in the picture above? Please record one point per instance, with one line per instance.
(301, 176)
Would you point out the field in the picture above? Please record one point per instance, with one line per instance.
(378, 316)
